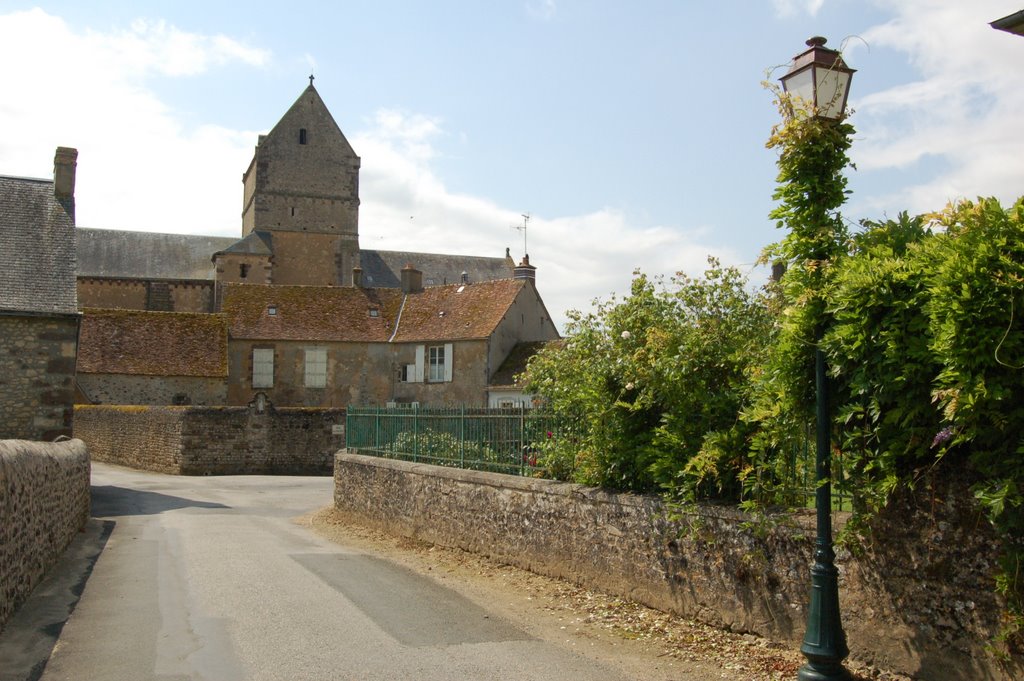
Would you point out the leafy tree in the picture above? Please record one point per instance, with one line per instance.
(650, 375)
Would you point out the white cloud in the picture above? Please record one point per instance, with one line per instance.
(787, 8)
(140, 167)
(405, 206)
(543, 10)
(137, 164)
(961, 118)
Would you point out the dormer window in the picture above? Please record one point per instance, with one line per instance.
(272, 310)
(374, 312)
(302, 135)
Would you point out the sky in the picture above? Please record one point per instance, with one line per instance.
(632, 134)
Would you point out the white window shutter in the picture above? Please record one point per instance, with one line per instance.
(448, 362)
(316, 368)
(262, 368)
(421, 351)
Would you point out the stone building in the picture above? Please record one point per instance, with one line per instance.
(295, 309)
(38, 307)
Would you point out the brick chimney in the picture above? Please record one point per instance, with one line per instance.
(64, 163)
(525, 270)
(412, 279)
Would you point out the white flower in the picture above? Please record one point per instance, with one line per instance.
(629, 386)
(626, 335)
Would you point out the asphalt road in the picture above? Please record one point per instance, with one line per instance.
(208, 578)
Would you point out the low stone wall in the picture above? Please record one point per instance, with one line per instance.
(44, 502)
(213, 440)
(918, 600)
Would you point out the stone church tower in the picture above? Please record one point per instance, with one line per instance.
(300, 209)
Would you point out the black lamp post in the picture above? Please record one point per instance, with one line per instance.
(821, 78)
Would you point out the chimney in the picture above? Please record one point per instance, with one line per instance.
(412, 279)
(525, 270)
(357, 276)
(64, 163)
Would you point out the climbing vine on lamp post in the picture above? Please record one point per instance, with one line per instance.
(811, 189)
(813, 144)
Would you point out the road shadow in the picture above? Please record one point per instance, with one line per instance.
(110, 501)
(31, 634)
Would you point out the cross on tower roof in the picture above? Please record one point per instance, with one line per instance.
(311, 79)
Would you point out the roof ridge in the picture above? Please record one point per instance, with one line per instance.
(26, 178)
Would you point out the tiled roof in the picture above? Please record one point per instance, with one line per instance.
(37, 249)
(153, 343)
(313, 313)
(515, 363)
(147, 255)
(457, 312)
(335, 313)
(383, 268)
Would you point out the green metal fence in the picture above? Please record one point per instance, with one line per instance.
(800, 473)
(498, 440)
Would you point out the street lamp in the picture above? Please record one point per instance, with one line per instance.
(821, 78)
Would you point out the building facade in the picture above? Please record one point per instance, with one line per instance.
(295, 311)
(38, 306)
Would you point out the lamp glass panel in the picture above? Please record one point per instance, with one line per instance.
(831, 89)
(801, 86)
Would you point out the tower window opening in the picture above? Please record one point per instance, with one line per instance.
(293, 211)
(302, 135)
(243, 271)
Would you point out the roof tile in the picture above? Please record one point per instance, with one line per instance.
(153, 343)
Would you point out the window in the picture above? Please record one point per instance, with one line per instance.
(263, 367)
(302, 135)
(407, 373)
(439, 363)
(243, 271)
(436, 355)
(316, 367)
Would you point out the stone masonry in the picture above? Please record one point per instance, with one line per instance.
(37, 372)
(44, 502)
(213, 440)
(918, 598)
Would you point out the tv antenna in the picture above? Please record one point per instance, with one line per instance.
(522, 228)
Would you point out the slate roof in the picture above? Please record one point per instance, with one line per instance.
(310, 313)
(383, 268)
(147, 255)
(153, 343)
(37, 249)
(515, 363)
(256, 243)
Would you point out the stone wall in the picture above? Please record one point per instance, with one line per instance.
(213, 440)
(122, 293)
(135, 389)
(44, 502)
(37, 372)
(919, 599)
(358, 373)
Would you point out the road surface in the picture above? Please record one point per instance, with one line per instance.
(187, 578)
